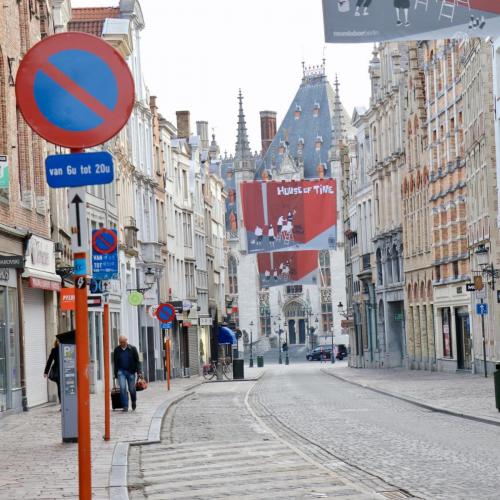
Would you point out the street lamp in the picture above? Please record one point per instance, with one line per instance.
(287, 361)
(332, 356)
(487, 270)
(280, 360)
(251, 344)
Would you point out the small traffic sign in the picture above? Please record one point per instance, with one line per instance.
(166, 326)
(97, 286)
(482, 309)
(135, 298)
(470, 287)
(481, 294)
(79, 169)
(78, 219)
(104, 241)
(105, 253)
(165, 312)
(74, 90)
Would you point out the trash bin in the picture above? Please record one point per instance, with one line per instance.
(260, 361)
(496, 378)
(238, 369)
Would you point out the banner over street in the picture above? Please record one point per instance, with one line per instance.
(290, 215)
(362, 21)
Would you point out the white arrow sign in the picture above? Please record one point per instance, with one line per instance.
(77, 200)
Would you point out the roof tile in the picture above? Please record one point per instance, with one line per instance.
(94, 13)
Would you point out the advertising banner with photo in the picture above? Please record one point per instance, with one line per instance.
(289, 215)
(227, 173)
(362, 21)
(288, 268)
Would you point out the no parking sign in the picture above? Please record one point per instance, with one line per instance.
(105, 254)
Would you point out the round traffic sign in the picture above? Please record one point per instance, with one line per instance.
(104, 241)
(165, 313)
(135, 298)
(74, 90)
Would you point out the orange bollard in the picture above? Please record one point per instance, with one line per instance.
(83, 384)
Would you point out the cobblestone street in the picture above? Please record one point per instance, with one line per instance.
(305, 434)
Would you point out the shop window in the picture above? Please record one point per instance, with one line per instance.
(446, 329)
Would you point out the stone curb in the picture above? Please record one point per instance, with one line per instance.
(118, 481)
(483, 420)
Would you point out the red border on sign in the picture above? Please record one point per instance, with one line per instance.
(37, 57)
(96, 235)
(160, 308)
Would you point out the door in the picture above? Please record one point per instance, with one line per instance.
(35, 348)
(302, 331)
(464, 361)
(292, 336)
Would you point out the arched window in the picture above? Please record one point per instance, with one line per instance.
(232, 272)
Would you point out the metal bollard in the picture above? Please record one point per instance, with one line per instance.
(496, 379)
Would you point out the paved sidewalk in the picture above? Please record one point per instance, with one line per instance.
(463, 394)
(35, 462)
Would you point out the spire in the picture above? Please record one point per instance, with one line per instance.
(242, 150)
(214, 150)
(338, 131)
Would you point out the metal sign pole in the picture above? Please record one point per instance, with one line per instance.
(107, 388)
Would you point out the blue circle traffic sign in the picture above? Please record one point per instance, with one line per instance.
(165, 313)
(104, 241)
(74, 90)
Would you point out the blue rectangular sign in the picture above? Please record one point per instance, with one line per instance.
(104, 265)
(79, 169)
(80, 267)
(481, 309)
(166, 326)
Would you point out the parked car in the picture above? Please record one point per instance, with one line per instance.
(315, 354)
(341, 351)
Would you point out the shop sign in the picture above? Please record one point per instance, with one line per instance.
(205, 321)
(42, 284)
(40, 255)
(67, 299)
(12, 261)
(4, 173)
(4, 274)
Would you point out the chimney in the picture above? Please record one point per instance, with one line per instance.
(202, 131)
(267, 129)
(183, 127)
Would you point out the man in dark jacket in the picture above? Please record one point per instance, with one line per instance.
(126, 365)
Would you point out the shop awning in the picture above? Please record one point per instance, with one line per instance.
(227, 336)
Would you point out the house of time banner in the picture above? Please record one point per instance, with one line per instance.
(283, 216)
(362, 21)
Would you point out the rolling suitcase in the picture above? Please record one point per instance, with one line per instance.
(116, 402)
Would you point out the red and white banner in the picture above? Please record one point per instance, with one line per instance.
(288, 268)
(290, 215)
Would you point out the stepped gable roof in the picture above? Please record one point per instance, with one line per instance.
(306, 130)
(91, 20)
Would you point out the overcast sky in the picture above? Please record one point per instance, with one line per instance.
(198, 53)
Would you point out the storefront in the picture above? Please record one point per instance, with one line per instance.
(452, 324)
(10, 365)
(40, 285)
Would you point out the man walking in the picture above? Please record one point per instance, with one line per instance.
(126, 365)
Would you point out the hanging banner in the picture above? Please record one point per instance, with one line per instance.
(288, 268)
(362, 21)
(227, 172)
(290, 215)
